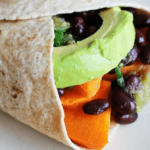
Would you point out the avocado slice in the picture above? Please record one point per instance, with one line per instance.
(143, 95)
(95, 56)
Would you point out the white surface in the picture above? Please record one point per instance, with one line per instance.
(135, 136)
(17, 136)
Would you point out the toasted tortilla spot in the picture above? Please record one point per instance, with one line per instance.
(89, 1)
(32, 38)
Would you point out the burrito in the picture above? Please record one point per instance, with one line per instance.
(74, 70)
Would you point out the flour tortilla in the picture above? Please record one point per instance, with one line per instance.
(27, 86)
(27, 9)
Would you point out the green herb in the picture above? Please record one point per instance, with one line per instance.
(126, 90)
(77, 38)
(60, 24)
(134, 111)
(60, 27)
(70, 87)
(124, 62)
(129, 58)
(58, 38)
(68, 39)
(119, 76)
(61, 36)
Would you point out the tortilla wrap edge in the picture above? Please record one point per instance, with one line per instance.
(40, 8)
(53, 89)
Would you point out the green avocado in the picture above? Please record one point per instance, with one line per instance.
(143, 94)
(95, 56)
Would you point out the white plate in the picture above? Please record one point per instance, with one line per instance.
(17, 136)
(135, 136)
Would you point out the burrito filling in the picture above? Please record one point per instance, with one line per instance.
(107, 93)
(101, 52)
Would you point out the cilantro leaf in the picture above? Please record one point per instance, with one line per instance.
(119, 76)
(58, 38)
(70, 87)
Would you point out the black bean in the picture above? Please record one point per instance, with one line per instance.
(91, 13)
(114, 85)
(141, 18)
(132, 82)
(78, 26)
(99, 22)
(148, 34)
(131, 10)
(131, 56)
(145, 54)
(96, 20)
(84, 15)
(91, 30)
(69, 17)
(125, 119)
(112, 71)
(96, 107)
(140, 39)
(123, 102)
(61, 92)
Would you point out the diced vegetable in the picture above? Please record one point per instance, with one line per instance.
(90, 131)
(137, 66)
